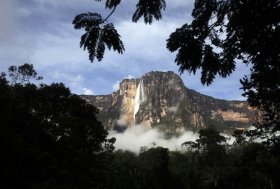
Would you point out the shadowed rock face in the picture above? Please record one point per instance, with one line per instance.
(169, 105)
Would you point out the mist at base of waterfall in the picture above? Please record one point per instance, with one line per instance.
(135, 137)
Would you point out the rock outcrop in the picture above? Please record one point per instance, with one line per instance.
(160, 99)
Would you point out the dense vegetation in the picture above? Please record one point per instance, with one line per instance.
(207, 163)
(49, 137)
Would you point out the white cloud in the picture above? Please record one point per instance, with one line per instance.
(7, 19)
(116, 86)
(68, 3)
(88, 91)
(129, 77)
(137, 136)
(146, 42)
(179, 4)
(75, 82)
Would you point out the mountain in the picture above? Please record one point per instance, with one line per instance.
(160, 99)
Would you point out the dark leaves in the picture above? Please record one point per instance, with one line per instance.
(210, 65)
(176, 39)
(97, 35)
(112, 3)
(149, 9)
(47, 126)
(112, 39)
(189, 50)
(194, 54)
(23, 73)
(87, 20)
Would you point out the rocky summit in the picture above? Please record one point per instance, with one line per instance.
(160, 99)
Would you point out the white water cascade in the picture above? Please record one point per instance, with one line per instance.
(139, 97)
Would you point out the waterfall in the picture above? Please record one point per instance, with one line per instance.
(139, 97)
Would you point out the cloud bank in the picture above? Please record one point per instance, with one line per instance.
(139, 136)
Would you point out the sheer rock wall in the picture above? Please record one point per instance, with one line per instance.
(170, 106)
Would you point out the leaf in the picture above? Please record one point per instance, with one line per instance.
(99, 47)
(97, 35)
(189, 49)
(90, 41)
(112, 3)
(210, 65)
(149, 9)
(87, 20)
(175, 40)
(112, 39)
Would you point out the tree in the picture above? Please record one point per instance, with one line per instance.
(123, 170)
(23, 73)
(211, 143)
(222, 33)
(50, 138)
(153, 165)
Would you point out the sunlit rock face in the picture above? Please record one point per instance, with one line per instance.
(127, 91)
(160, 99)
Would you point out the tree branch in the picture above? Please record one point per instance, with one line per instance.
(109, 14)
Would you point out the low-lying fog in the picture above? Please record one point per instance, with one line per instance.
(138, 136)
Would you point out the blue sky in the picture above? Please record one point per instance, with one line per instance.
(41, 32)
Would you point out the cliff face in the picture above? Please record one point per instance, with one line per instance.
(160, 99)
